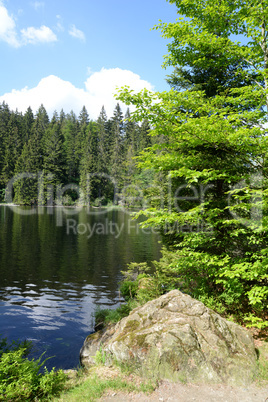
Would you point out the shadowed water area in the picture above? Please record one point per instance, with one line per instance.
(56, 266)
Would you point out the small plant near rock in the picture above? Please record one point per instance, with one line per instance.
(128, 289)
(100, 357)
(104, 317)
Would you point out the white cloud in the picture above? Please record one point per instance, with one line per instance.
(76, 33)
(30, 35)
(60, 27)
(7, 28)
(38, 4)
(38, 35)
(56, 94)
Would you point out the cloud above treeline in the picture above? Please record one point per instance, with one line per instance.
(56, 94)
(37, 35)
(29, 35)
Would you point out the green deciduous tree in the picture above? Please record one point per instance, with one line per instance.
(213, 155)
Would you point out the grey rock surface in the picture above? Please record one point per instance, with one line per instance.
(176, 337)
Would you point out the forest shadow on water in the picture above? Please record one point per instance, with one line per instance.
(57, 266)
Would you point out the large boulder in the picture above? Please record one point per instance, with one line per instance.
(176, 337)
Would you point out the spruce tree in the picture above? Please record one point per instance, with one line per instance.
(70, 131)
(89, 175)
(103, 141)
(30, 162)
(28, 120)
(83, 117)
(4, 119)
(12, 146)
(53, 159)
(117, 146)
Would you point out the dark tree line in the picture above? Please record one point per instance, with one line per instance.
(68, 156)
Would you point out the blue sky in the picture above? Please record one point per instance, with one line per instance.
(65, 54)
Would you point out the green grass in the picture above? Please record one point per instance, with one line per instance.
(262, 377)
(91, 386)
(104, 317)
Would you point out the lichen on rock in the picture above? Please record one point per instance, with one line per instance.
(176, 337)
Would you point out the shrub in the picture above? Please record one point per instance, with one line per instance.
(129, 289)
(105, 317)
(21, 379)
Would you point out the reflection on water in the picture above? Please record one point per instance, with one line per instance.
(55, 268)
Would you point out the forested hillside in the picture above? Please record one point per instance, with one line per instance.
(68, 158)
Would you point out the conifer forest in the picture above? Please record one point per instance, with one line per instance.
(60, 160)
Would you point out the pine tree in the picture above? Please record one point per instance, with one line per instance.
(30, 162)
(83, 117)
(103, 142)
(41, 121)
(144, 138)
(89, 175)
(4, 119)
(28, 120)
(81, 135)
(106, 184)
(70, 131)
(117, 148)
(62, 117)
(53, 159)
(13, 146)
(131, 131)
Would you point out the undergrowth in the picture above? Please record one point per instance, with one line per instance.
(21, 379)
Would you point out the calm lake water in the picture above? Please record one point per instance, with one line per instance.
(56, 266)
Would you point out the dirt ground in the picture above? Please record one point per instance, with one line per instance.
(189, 392)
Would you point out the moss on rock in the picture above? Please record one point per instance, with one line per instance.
(178, 338)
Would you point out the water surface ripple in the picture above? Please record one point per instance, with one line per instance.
(52, 278)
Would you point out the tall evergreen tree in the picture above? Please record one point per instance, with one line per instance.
(144, 139)
(28, 120)
(65, 151)
(117, 146)
(62, 117)
(70, 131)
(4, 119)
(131, 131)
(103, 142)
(30, 162)
(41, 121)
(89, 175)
(13, 145)
(83, 117)
(53, 158)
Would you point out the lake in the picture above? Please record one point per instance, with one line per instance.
(57, 265)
